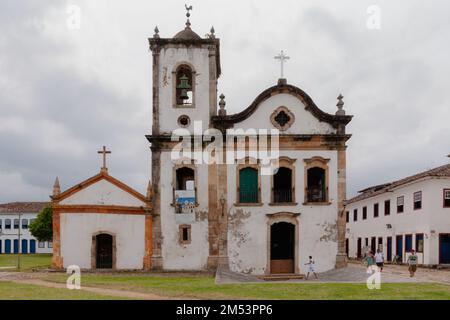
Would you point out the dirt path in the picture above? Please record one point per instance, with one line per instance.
(29, 278)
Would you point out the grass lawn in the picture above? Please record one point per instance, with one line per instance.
(27, 261)
(204, 287)
(18, 291)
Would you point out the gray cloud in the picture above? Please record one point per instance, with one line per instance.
(65, 93)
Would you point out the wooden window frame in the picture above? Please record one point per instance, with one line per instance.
(355, 215)
(412, 243)
(253, 163)
(402, 205)
(284, 162)
(8, 225)
(443, 198)
(174, 180)
(182, 227)
(364, 213)
(347, 216)
(174, 85)
(416, 243)
(414, 200)
(377, 211)
(322, 163)
(387, 212)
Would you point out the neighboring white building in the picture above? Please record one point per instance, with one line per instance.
(411, 213)
(10, 226)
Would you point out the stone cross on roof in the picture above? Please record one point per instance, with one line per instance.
(282, 57)
(104, 152)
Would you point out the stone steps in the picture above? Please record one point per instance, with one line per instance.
(281, 277)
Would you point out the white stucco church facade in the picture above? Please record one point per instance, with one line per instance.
(251, 214)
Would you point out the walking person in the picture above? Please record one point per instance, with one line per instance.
(311, 268)
(370, 259)
(379, 259)
(412, 263)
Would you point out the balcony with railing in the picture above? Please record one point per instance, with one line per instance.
(248, 196)
(315, 194)
(282, 196)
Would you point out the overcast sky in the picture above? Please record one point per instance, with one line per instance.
(66, 92)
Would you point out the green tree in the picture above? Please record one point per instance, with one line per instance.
(42, 228)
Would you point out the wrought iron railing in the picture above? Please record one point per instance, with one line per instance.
(315, 194)
(282, 195)
(248, 196)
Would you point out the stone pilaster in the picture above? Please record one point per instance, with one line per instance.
(157, 239)
(57, 260)
(148, 242)
(155, 91)
(341, 257)
(212, 81)
(213, 223)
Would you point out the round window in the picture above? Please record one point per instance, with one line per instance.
(184, 121)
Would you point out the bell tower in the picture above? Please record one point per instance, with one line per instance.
(185, 72)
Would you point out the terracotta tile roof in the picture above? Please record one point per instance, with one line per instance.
(23, 207)
(442, 171)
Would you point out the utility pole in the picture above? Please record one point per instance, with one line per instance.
(18, 244)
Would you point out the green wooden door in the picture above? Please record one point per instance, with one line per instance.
(248, 185)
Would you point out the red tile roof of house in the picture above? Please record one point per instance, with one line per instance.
(442, 171)
(23, 207)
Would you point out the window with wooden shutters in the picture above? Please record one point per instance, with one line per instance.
(419, 242)
(446, 198)
(417, 200)
(248, 185)
(400, 204)
(387, 207)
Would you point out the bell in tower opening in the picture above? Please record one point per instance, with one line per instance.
(184, 85)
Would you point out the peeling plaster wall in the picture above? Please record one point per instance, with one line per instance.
(76, 238)
(432, 217)
(248, 226)
(184, 256)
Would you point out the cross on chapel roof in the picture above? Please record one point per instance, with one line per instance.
(104, 152)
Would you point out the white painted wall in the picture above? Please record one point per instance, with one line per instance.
(103, 192)
(247, 238)
(76, 238)
(305, 122)
(25, 234)
(169, 59)
(183, 256)
(431, 220)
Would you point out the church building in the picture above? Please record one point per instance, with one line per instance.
(235, 215)
(241, 207)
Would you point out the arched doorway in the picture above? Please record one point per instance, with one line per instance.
(282, 247)
(104, 251)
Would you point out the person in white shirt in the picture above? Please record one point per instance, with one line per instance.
(311, 268)
(379, 259)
